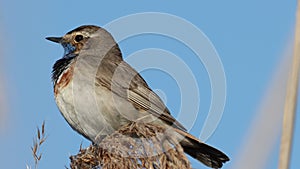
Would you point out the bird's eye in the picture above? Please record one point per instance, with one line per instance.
(78, 38)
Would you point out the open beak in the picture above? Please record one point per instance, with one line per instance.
(54, 39)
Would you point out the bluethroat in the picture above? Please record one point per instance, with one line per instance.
(97, 93)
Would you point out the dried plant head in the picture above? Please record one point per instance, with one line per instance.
(121, 150)
(37, 143)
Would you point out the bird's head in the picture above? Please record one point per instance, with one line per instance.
(84, 37)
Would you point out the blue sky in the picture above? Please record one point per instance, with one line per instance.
(249, 36)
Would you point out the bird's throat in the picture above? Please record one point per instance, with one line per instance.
(60, 66)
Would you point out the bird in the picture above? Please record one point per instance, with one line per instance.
(97, 93)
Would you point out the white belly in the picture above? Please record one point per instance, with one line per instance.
(89, 112)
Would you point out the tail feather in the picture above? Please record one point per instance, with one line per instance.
(204, 153)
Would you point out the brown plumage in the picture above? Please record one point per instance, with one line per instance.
(121, 94)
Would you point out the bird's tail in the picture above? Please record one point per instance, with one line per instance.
(204, 153)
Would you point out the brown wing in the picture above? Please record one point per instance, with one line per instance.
(143, 97)
(124, 81)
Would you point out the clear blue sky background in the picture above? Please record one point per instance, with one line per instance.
(250, 37)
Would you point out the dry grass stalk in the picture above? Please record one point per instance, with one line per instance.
(37, 143)
(291, 101)
(134, 146)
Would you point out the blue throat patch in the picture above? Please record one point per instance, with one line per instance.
(69, 50)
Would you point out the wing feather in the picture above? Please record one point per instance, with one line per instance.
(124, 81)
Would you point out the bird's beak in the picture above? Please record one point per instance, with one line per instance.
(54, 39)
